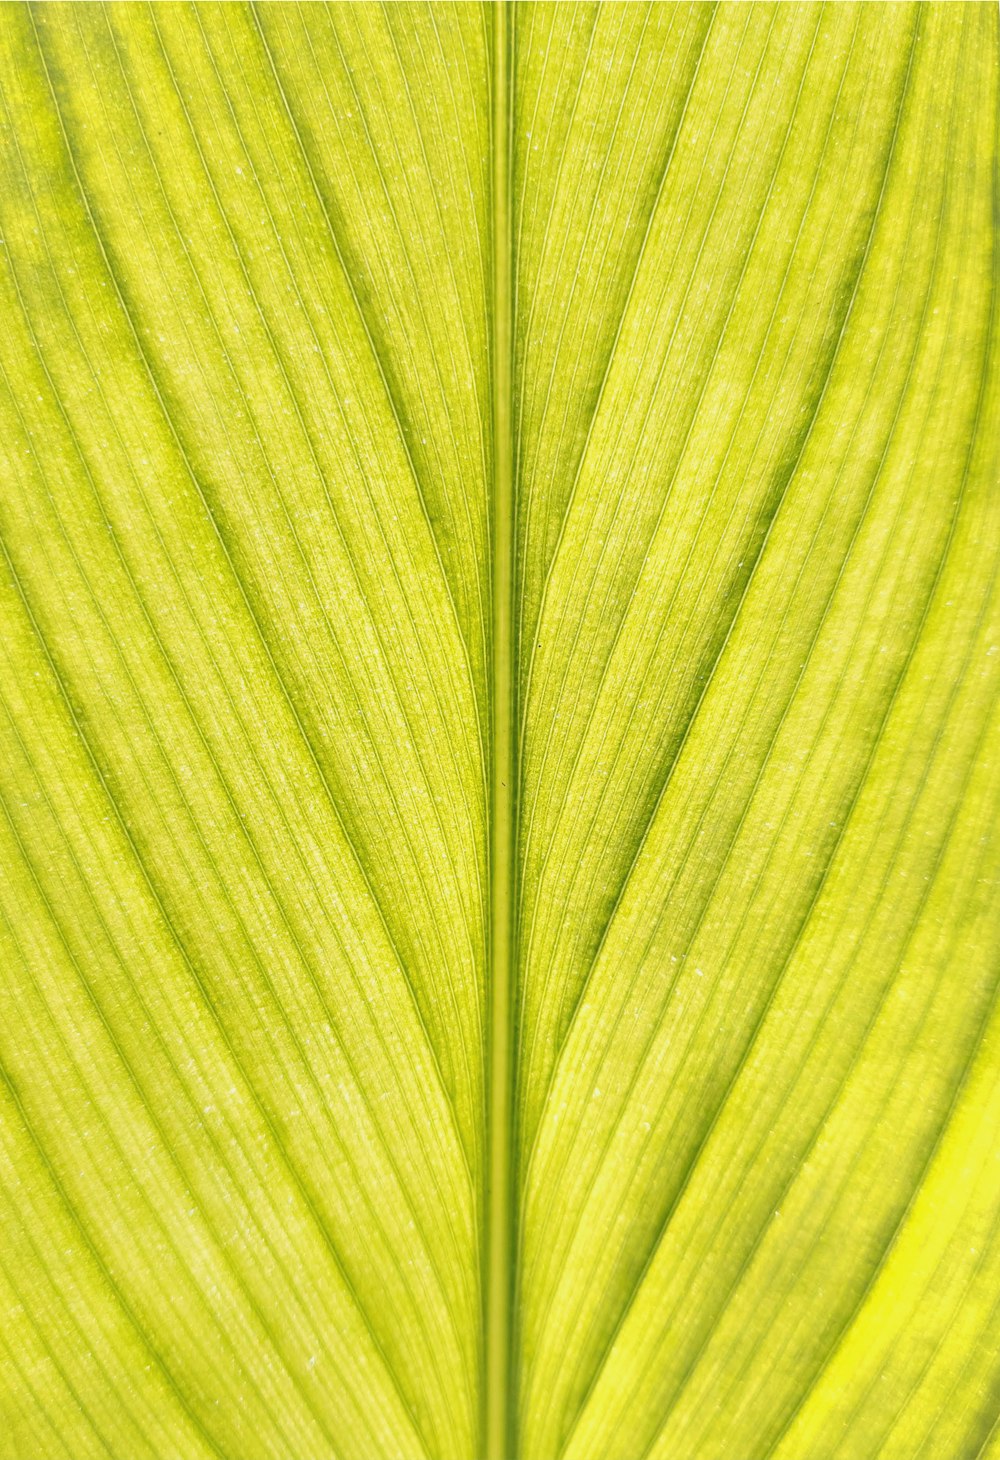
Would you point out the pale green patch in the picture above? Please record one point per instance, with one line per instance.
(500, 515)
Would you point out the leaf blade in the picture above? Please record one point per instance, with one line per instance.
(258, 920)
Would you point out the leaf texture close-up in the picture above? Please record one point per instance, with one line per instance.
(499, 731)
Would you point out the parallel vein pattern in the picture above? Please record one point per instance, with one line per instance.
(757, 707)
(499, 714)
(244, 773)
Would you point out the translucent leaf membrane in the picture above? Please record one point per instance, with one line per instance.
(258, 269)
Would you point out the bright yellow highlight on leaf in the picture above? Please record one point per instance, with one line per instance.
(500, 735)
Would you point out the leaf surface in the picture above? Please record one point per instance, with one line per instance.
(499, 602)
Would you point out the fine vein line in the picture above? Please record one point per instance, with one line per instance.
(498, 1443)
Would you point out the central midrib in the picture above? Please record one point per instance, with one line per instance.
(498, 1431)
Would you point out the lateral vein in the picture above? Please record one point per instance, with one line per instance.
(498, 1442)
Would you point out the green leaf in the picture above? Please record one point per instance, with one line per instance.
(501, 635)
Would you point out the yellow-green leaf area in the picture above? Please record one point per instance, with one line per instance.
(499, 779)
